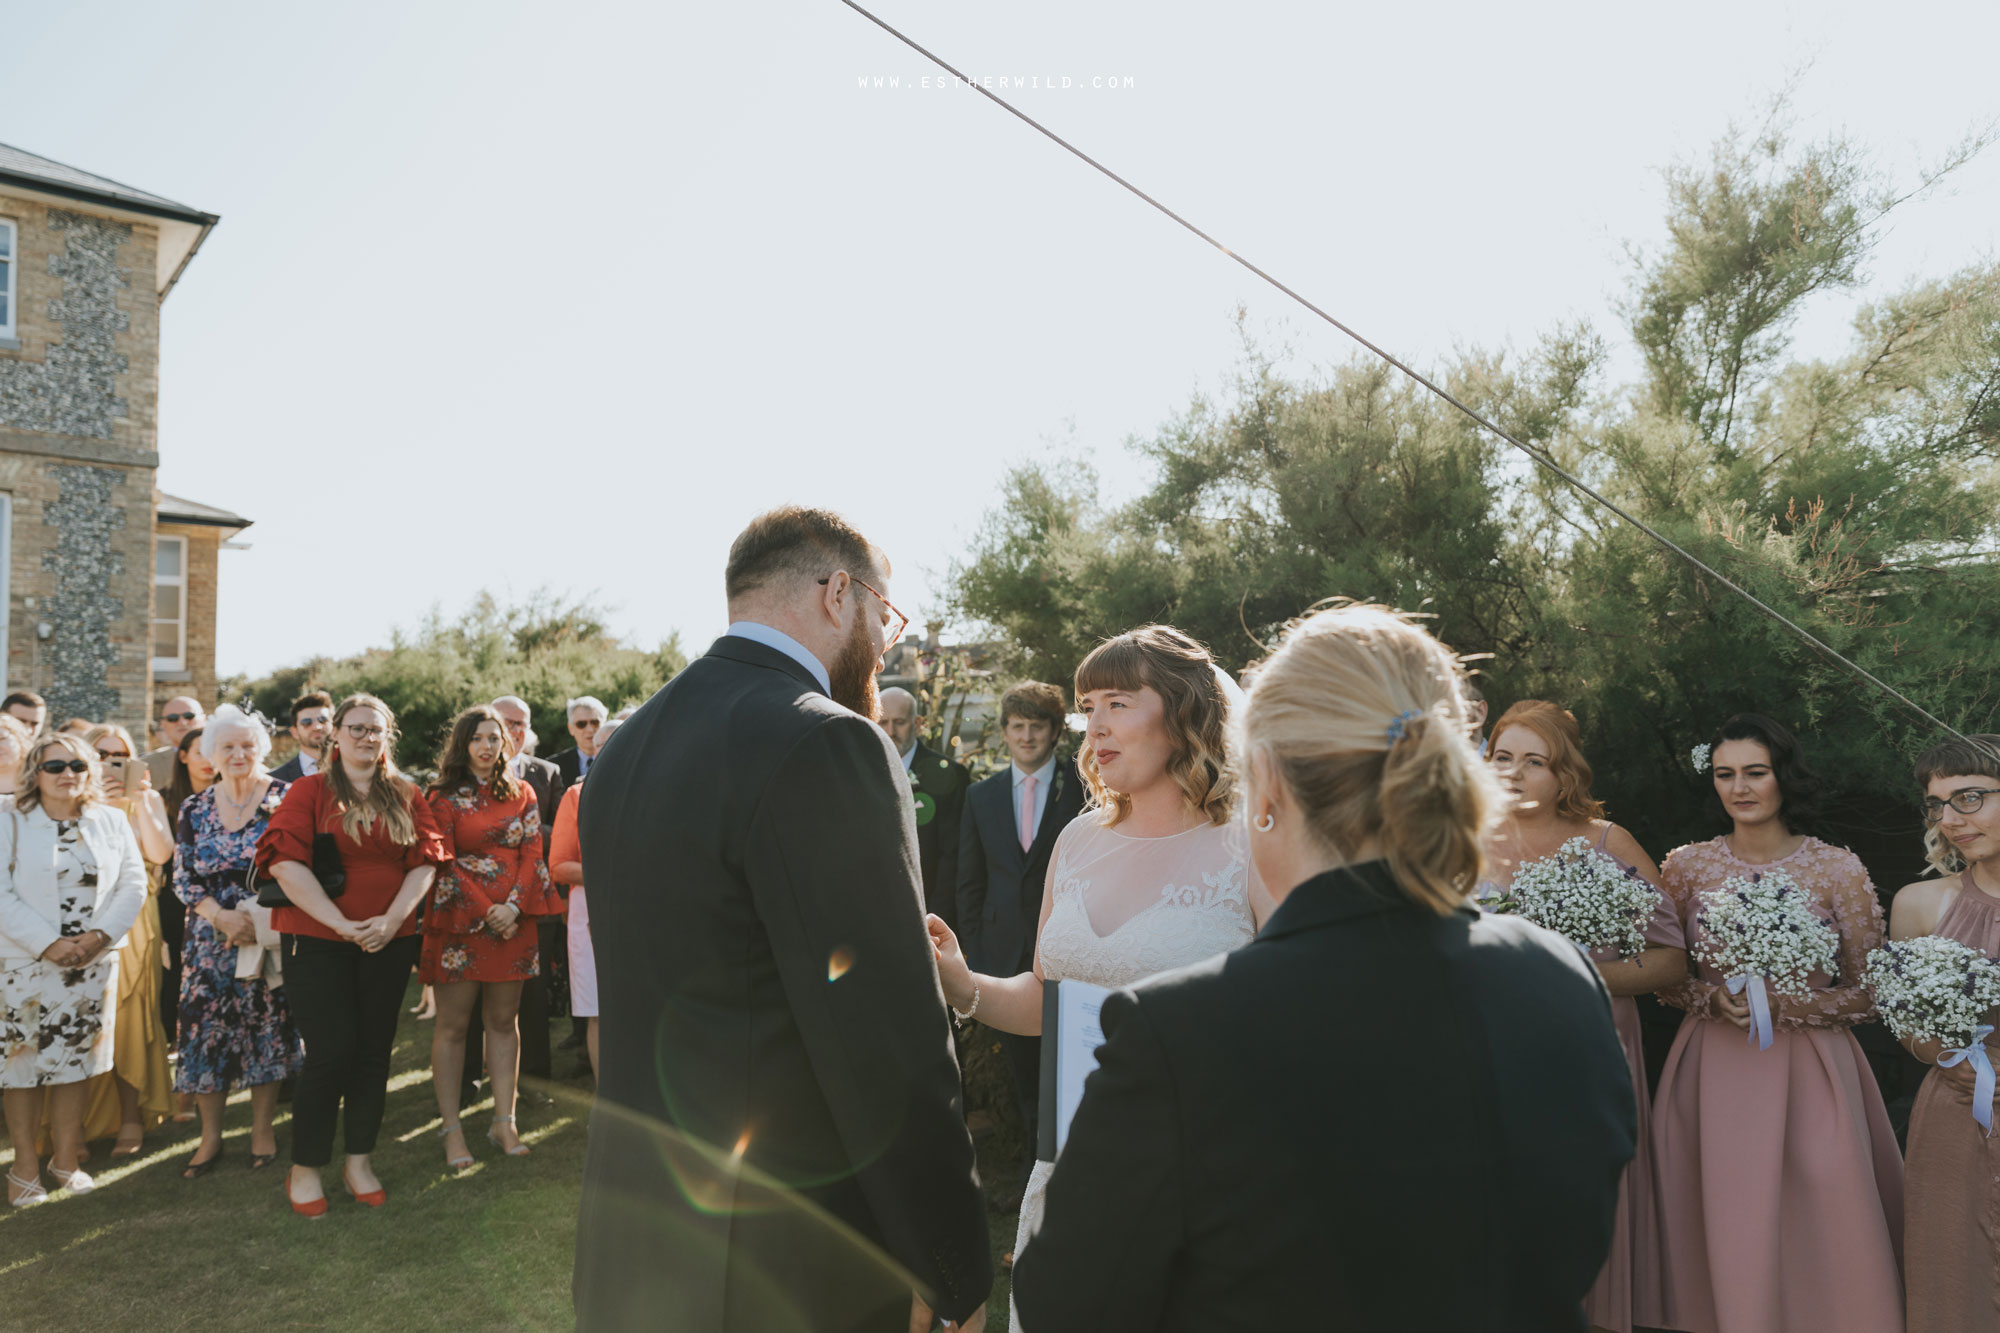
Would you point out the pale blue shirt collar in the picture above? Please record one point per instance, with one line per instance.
(1040, 775)
(909, 757)
(786, 644)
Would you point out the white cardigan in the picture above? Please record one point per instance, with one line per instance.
(30, 910)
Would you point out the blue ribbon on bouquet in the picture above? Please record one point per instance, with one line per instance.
(1982, 1094)
(1760, 1008)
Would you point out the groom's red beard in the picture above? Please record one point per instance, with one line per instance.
(853, 674)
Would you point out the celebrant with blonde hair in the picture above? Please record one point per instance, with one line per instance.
(1225, 1171)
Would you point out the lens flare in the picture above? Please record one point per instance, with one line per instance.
(838, 963)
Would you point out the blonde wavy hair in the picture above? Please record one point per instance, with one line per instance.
(28, 788)
(1975, 756)
(389, 795)
(1363, 716)
(1184, 675)
(1556, 726)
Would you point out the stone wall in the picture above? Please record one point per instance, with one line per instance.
(78, 404)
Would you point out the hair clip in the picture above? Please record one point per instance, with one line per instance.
(1399, 725)
(1699, 755)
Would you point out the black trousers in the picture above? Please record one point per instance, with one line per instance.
(345, 1002)
(1024, 1057)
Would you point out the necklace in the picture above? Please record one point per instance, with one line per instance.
(236, 810)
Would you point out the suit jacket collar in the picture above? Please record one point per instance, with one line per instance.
(1345, 894)
(739, 649)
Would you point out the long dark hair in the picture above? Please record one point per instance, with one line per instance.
(1800, 790)
(455, 763)
(182, 786)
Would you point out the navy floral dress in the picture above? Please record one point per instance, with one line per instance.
(234, 1033)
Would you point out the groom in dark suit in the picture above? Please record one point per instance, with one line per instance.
(1009, 830)
(778, 1140)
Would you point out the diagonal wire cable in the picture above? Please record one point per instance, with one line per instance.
(1540, 459)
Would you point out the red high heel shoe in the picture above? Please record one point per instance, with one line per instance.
(373, 1198)
(317, 1208)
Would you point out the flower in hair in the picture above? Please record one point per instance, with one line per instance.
(1700, 757)
(1399, 725)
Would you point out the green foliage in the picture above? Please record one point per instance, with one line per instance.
(547, 650)
(1857, 496)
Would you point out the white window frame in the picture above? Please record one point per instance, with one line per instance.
(176, 663)
(10, 282)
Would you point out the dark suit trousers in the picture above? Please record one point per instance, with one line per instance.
(1024, 1056)
(345, 1002)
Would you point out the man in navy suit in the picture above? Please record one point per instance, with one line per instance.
(1007, 832)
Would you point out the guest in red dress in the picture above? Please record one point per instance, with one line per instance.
(347, 958)
(478, 949)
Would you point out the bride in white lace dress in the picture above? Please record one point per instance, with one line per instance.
(1156, 875)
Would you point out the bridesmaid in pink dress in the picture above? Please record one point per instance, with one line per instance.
(1538, 752)
(1953, 1209)
(1781, 1189)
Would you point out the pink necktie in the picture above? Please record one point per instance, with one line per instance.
(1027, 812)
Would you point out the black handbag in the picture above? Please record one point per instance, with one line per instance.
(327, 868)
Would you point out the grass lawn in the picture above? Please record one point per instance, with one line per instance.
(489, 1248)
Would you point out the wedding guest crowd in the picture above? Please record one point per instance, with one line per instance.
(789, 910)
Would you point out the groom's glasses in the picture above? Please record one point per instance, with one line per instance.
(902, 621)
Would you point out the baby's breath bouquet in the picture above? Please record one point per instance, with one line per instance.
(1934, 988)
(1760, 931)
(1586, 896)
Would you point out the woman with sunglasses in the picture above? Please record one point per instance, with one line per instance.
(1951, 1211)
(73, 884)
(347, 955)
(138, 1094)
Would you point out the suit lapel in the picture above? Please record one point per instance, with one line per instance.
(1059, 787)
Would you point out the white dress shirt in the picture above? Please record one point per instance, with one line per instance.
(1042, 776)
(307, 764)
(909, 757)
(784, 643)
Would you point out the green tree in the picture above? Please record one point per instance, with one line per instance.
(1856, 495)
(547, 650)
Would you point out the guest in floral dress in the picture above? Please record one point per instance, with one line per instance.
(1780, 1187)
(236, 1031)
(478, 950)
(73, 885)
(1952, 1203)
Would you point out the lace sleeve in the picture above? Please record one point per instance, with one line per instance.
(1837, 879)
(1681, 879)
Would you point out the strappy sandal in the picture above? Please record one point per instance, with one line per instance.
(76, 1182)
(196, 1170)
(32, 1192)
(455, 1163)
(493, 1137)
(260, 1160)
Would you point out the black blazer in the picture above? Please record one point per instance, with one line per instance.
(770, 1016)
(548, 786)
(999, 885)
(569, 767)
(1368, 1118)
(939, 784)
(290, 771)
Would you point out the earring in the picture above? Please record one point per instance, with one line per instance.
(1266, 822)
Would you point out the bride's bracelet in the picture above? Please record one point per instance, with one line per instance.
(965, 1015)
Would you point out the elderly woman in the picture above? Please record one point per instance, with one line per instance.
(73, 885)
(139, 1092)
(236, 1030)
(348, 943)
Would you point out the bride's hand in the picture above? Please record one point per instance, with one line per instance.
(954, 973)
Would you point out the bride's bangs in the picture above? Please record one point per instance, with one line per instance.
(1115, 664)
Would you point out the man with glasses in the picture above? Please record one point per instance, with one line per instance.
(178, 716)
(768, 999)
(312, 729)
(549, 992)
(586, 715)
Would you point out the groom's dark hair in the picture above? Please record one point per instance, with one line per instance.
(799, 542)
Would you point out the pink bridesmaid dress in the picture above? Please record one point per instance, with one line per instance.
(1631, 1280)
(1953, 1214)
(1780, 1186)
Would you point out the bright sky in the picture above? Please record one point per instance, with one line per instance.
(509, 297)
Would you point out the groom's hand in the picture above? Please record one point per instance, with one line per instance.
(973, 1325)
